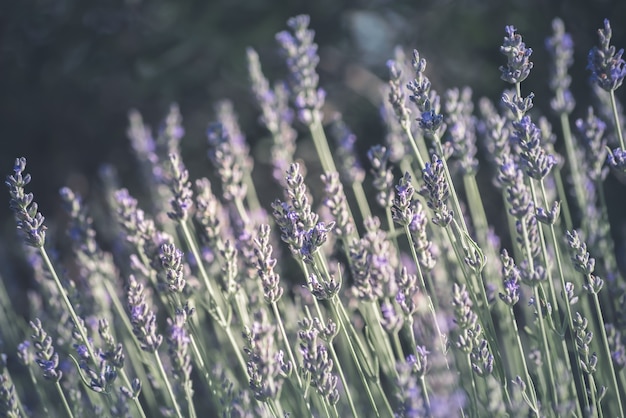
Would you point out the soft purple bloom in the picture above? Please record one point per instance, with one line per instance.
(561, 47)
(518, 63)
(607, 66)
(29, 219)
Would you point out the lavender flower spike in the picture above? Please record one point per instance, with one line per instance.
(301, 55)
(437, 192)
(518, 65)
(45, 355)
(29, 219)
(606, 66)
(181, 189)
(142, 318)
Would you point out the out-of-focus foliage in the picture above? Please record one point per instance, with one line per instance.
(70, 70)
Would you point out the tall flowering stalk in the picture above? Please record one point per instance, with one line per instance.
(300, 53)
(608, 70)
(585, 264)
(144, 324)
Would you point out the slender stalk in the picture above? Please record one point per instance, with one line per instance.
(520, 349)
(546, 348)
(568, 310)
(68, 305)
(66, 406)
(168, 387)
(425, 392)
(361, 200)
(321, 146)
(575, 170)
(431, 306)
(191, 244)
(414, 147)
(618, 125)
(607, 354)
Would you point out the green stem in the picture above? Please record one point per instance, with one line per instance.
(431, 306)
(77, 323)
(618, 125)
(66, 406)
(520, 348)
(575, 171)
(191, 244)
(546, 348)
(321, 146)
(168, 387)
(414, 146)
(559, 265)
(607, 354)
(425, 392)
(361, 200)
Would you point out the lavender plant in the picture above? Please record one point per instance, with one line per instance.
(389, 295)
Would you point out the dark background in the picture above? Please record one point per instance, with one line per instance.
(71, 69)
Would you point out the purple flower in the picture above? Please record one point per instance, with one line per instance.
(536, 161)
(561, 47)
(300, 51)
(437, 191)
(607, 67)
(29, 220)
(518, 64)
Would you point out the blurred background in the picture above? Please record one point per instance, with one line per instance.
(70, 70)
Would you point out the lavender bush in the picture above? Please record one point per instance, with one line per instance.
(387, 292)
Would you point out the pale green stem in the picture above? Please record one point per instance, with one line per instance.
(346, 323)
(559, 265)
(42, 394)
(283, 334)
(66, 406)
(321, 146)
(377, 329)
(560, 191)
(546, 348)
(241, 210)
(474, 403)
(575, 170)
(607, 354)
(203, 274)
(77, 323)
(453, 194)
(551, 385)
(334, 354)
(126, 381)
(168, 387)
(414, 147)
(292, 358)
(251, 197)
(618, 124)
(392, 229)
(431, 306)
(361, 199)
(190, 405)
(520, 348)
(593, 389)
(425, 392)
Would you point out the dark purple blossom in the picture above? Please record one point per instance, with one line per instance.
(606, 65)
(437, 191)
(29, 219)
(300, 52)
(518, 64)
